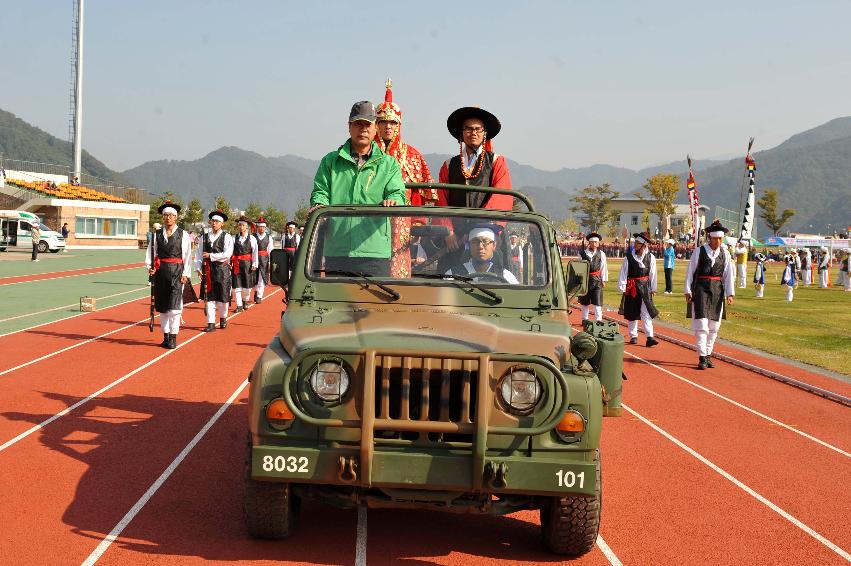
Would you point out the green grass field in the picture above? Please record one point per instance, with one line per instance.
(815, 328)
(15, 263)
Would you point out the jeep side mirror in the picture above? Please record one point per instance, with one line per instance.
(576, 275)
(279, 267)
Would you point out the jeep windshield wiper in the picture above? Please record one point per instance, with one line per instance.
(368, 278)
(469, 280)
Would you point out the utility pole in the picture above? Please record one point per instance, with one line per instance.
(77, 92)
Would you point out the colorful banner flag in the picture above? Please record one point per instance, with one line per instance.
(693, 203)
(747, 216)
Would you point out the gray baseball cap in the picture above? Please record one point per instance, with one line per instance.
(363, 110)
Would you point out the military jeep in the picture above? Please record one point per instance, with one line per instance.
(413, 371)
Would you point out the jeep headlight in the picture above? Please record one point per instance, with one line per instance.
(329, 381)
(520, 390)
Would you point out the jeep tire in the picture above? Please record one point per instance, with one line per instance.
(569, 525)
(271, 509)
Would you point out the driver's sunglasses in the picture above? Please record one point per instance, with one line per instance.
(481, 243)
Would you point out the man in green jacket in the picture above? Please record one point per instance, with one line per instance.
(358, 173)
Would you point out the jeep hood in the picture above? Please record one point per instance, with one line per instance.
(430, 329)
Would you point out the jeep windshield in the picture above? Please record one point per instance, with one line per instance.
(401, 245)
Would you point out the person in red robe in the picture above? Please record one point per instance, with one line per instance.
(414, 170)
(476, 164)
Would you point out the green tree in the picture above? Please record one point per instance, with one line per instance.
(568, 225)
(221, 203)
(661, 190)
(768, 205)
(300, 216)
(253, 211)
(275, 219)
(594, 206)
(154, 215)
(193, 214)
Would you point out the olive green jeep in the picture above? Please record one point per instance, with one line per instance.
(425, 360)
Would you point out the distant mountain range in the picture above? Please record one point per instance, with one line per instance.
(811, 170)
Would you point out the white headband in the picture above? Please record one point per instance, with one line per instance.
(170, 210)
(217, 217)
(260, 224)
(243, 222)
(593, 239)
(486, 232)
(717, 234)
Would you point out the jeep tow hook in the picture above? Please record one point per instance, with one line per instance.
(496, 474)
(347, 469)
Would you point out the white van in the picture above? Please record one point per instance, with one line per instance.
(16, 232)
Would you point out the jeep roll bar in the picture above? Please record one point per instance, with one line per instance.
(474, 189)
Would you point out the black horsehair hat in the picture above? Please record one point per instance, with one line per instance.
(456, 121)
(590, 235)
(169, 204)
(643, 236)
(716, 227)
(218, 213)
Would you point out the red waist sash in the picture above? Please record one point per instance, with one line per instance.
(263, 253)
(236, 259)
(158, 260)
(208, 279)
(630, 285)
(290, 249)
(710, 277)
(596, 274)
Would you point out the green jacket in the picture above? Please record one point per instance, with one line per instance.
(339, 181)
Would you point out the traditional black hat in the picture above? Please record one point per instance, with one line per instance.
(244, 218)
(590, 235)
(456, 120)
(218, 213)
(644, 237)
(291, 223)
(169, 204)
(716, 227)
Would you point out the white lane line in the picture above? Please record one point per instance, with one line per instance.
(608, 552)
(121, 265)
(140, 504)
(744, 407)
(71, 347)
(103, 389)
(67, 318)
(745, 488)
(360, 547)
(69, 306)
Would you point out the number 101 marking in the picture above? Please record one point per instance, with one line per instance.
(568, 478)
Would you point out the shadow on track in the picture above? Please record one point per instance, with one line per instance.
(128, 441)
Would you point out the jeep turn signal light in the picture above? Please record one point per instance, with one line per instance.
(572, 421)
(278, 413)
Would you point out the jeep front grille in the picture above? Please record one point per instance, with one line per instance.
(426, 390)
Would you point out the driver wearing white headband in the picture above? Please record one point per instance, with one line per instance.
(482, 241)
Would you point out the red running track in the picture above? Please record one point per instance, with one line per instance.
(68, 486)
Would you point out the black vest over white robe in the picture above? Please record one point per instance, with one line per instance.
(630, 306)
(168, 290)
(245, 278)
(707, 295)
(595, 282)
(262, 260)
(219, 272)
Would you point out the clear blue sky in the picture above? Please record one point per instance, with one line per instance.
(574, 83)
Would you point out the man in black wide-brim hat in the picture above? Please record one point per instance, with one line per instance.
(476, 163)
(169, 263)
